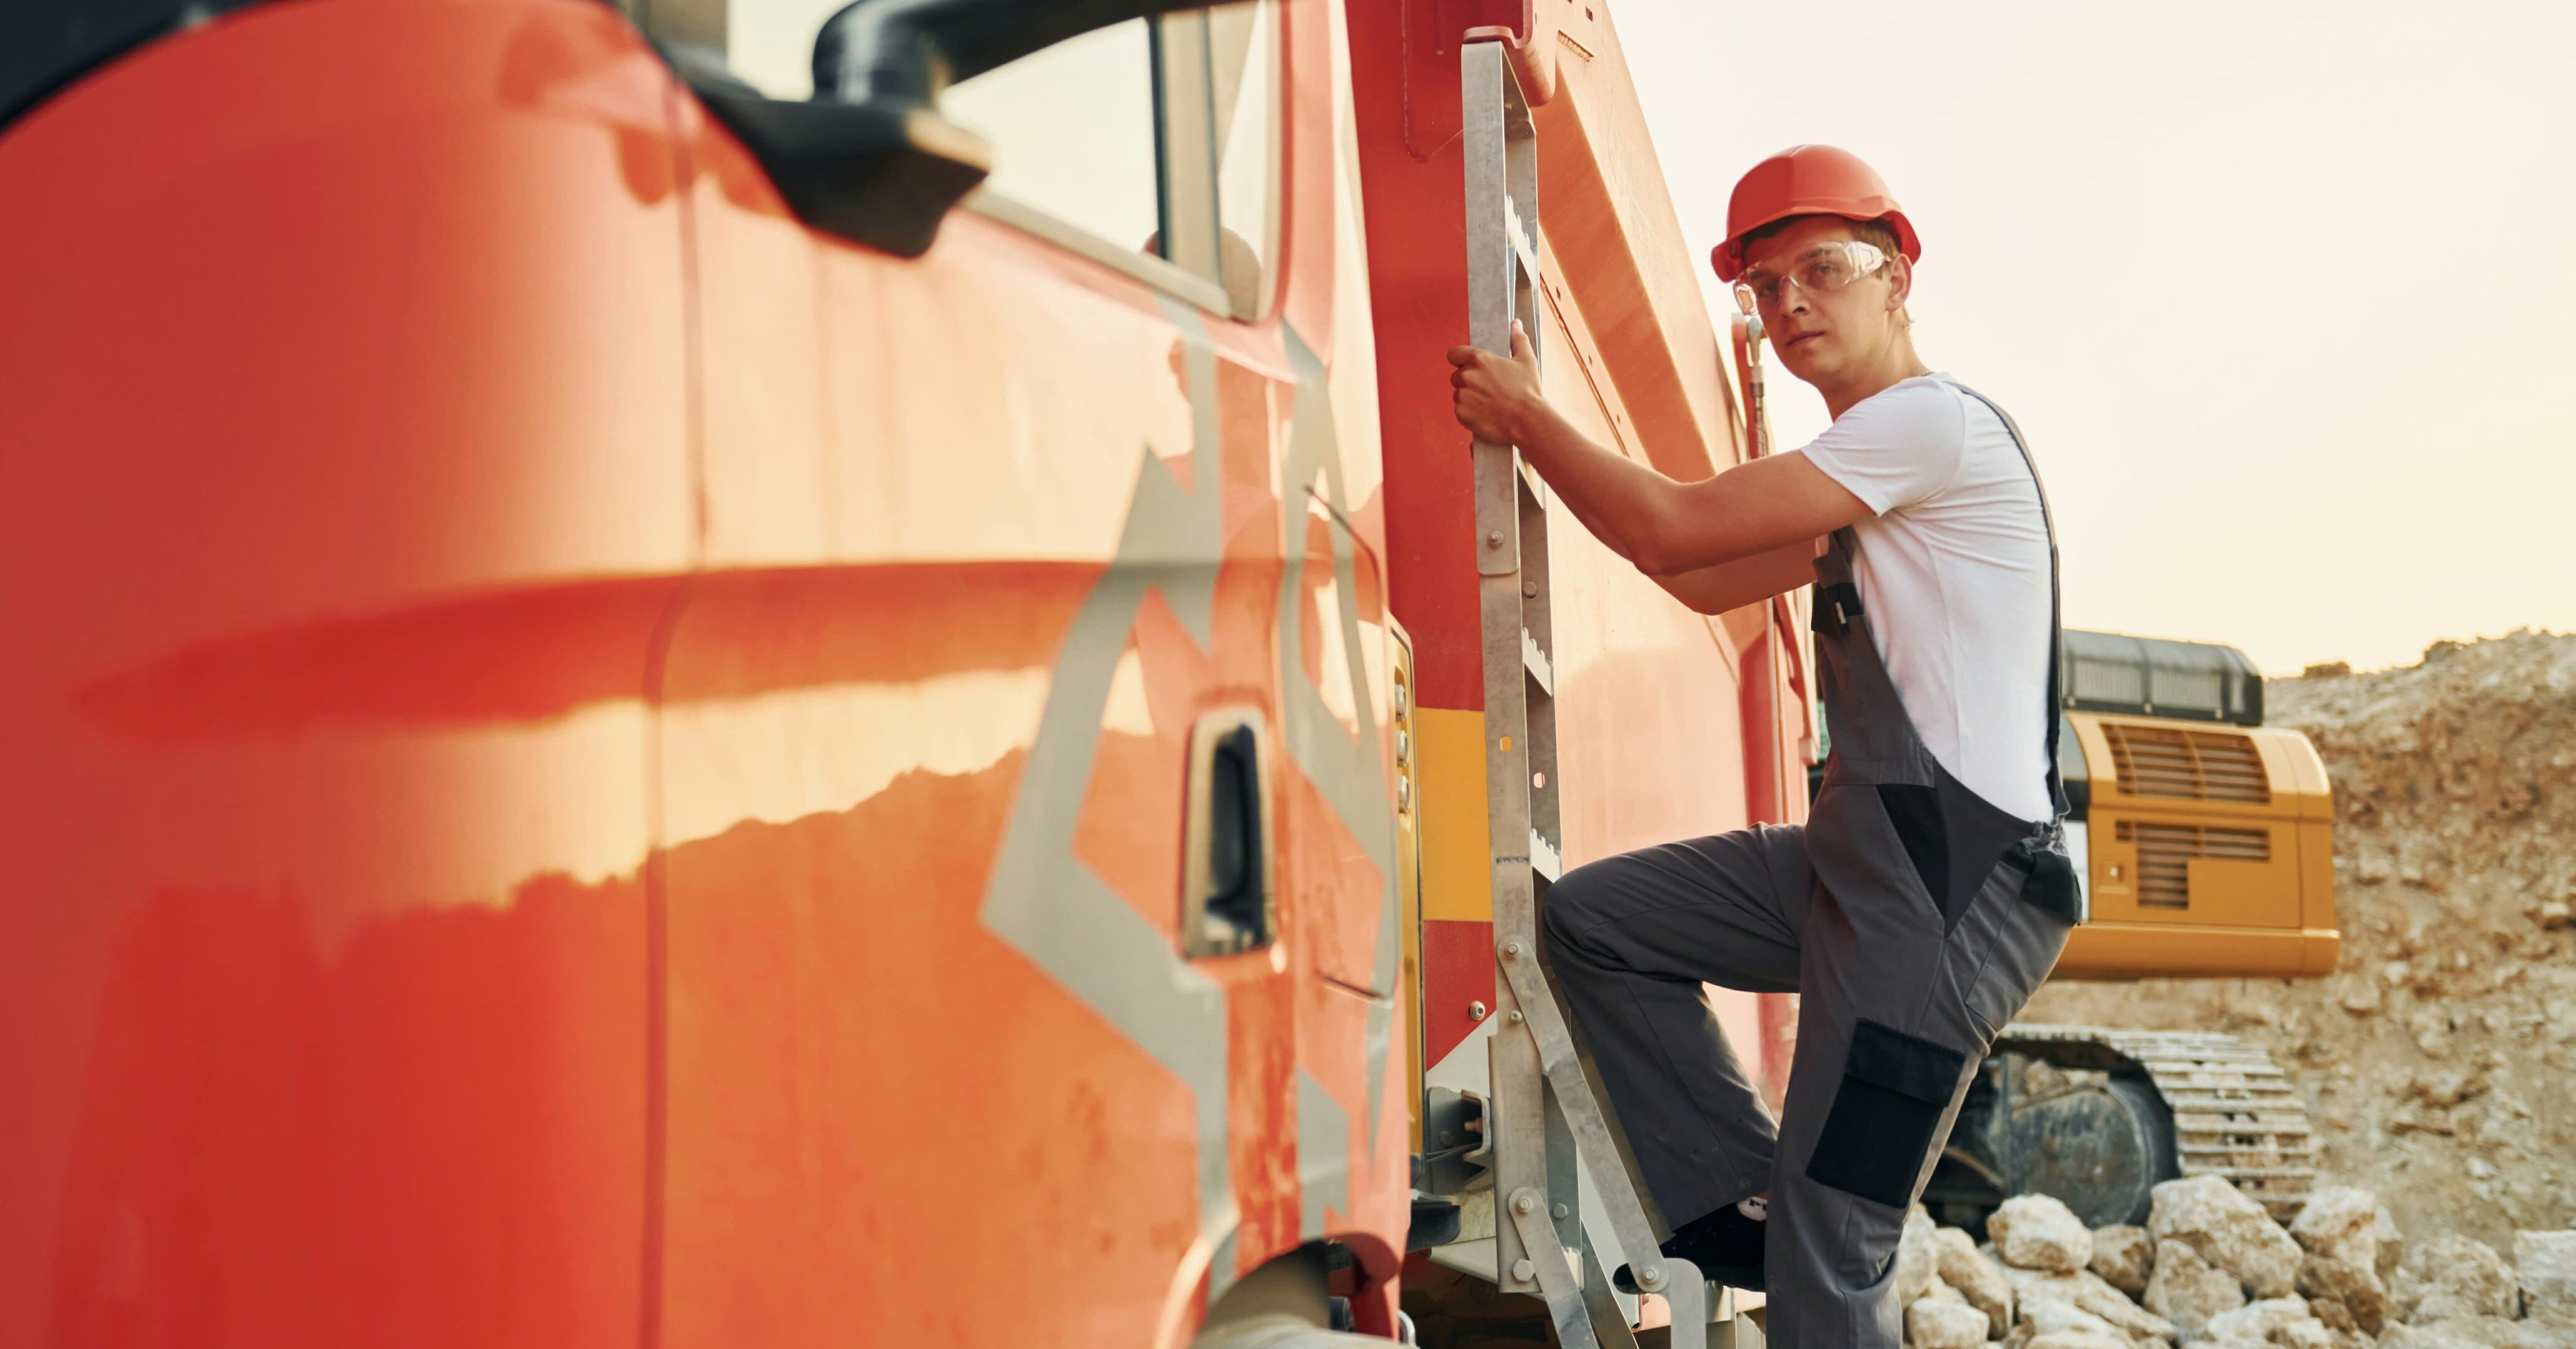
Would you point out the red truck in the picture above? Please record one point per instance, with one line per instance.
(726, 672)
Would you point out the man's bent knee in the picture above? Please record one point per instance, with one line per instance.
(1574, 905)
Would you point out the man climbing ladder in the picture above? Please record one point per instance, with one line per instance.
(1928, 894)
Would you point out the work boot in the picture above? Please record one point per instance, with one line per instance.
(1726, 1246)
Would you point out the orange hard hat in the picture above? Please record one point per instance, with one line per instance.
(1807, 180)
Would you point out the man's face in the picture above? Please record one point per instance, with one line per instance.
(1821, 335)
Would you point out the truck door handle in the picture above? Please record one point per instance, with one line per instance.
(1228, 903)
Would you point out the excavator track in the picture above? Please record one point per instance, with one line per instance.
(2235, 1112)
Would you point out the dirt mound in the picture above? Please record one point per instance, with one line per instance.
(2440, 1057)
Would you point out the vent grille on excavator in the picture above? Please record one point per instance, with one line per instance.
(2187, 765)
(2165, 852)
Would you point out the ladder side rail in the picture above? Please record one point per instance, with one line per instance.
(1515, 1111)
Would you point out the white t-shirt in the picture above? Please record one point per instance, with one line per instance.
(1953, 573)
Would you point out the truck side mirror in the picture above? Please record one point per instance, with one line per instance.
(869, 157)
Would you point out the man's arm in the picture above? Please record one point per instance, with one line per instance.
(1750, 580)
(1665, 528)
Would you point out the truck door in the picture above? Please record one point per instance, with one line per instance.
(980, 948)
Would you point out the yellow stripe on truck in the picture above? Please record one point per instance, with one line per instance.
(1457, 848)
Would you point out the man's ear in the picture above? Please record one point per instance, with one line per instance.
(1900, 281)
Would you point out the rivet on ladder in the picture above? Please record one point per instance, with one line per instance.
(1524, 1271)
(1494, 539)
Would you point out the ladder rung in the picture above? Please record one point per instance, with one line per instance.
(1540, 668)
(1530, 480)
(1518, 233)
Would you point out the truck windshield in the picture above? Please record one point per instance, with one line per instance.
(47, 44)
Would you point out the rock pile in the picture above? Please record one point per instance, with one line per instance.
(2439, 1059)
(2212, 1270)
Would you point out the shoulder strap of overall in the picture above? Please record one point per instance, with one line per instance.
(1837, 599)
(2056, 632)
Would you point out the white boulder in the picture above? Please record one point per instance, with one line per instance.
(2124, 1256)
(2038, 1231)
(2344, 1295)
(2544, 1267)
(2487, 1332)
(2229, 1230)
(2257, 1320)
(2045, 1314)
(1935, 1324)
(2340, 1222)
(2077, 1339)
(2453, 1277)
(1914, 1263)
(2426, 1337)
(2187, 1290)
(2089, 1292)
(1980, 1280)
(2311, 1333)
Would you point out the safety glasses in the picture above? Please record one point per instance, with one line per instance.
(1825, 267)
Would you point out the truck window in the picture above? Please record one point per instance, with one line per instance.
(1143, 142)
(1074, 134)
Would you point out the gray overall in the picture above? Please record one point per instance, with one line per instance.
(1907, 916)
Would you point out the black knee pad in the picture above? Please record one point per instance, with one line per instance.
(1886, 1116)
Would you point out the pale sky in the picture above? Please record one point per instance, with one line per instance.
(2281, 290)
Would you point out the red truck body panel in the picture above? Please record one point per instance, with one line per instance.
(347, 487)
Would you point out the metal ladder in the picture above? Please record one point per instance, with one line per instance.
(1544, 1119)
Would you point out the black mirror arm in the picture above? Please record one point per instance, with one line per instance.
(887, 50)
(881, 174)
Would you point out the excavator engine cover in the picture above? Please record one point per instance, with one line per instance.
(2202, 836)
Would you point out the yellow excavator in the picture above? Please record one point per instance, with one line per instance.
(2204, 841)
